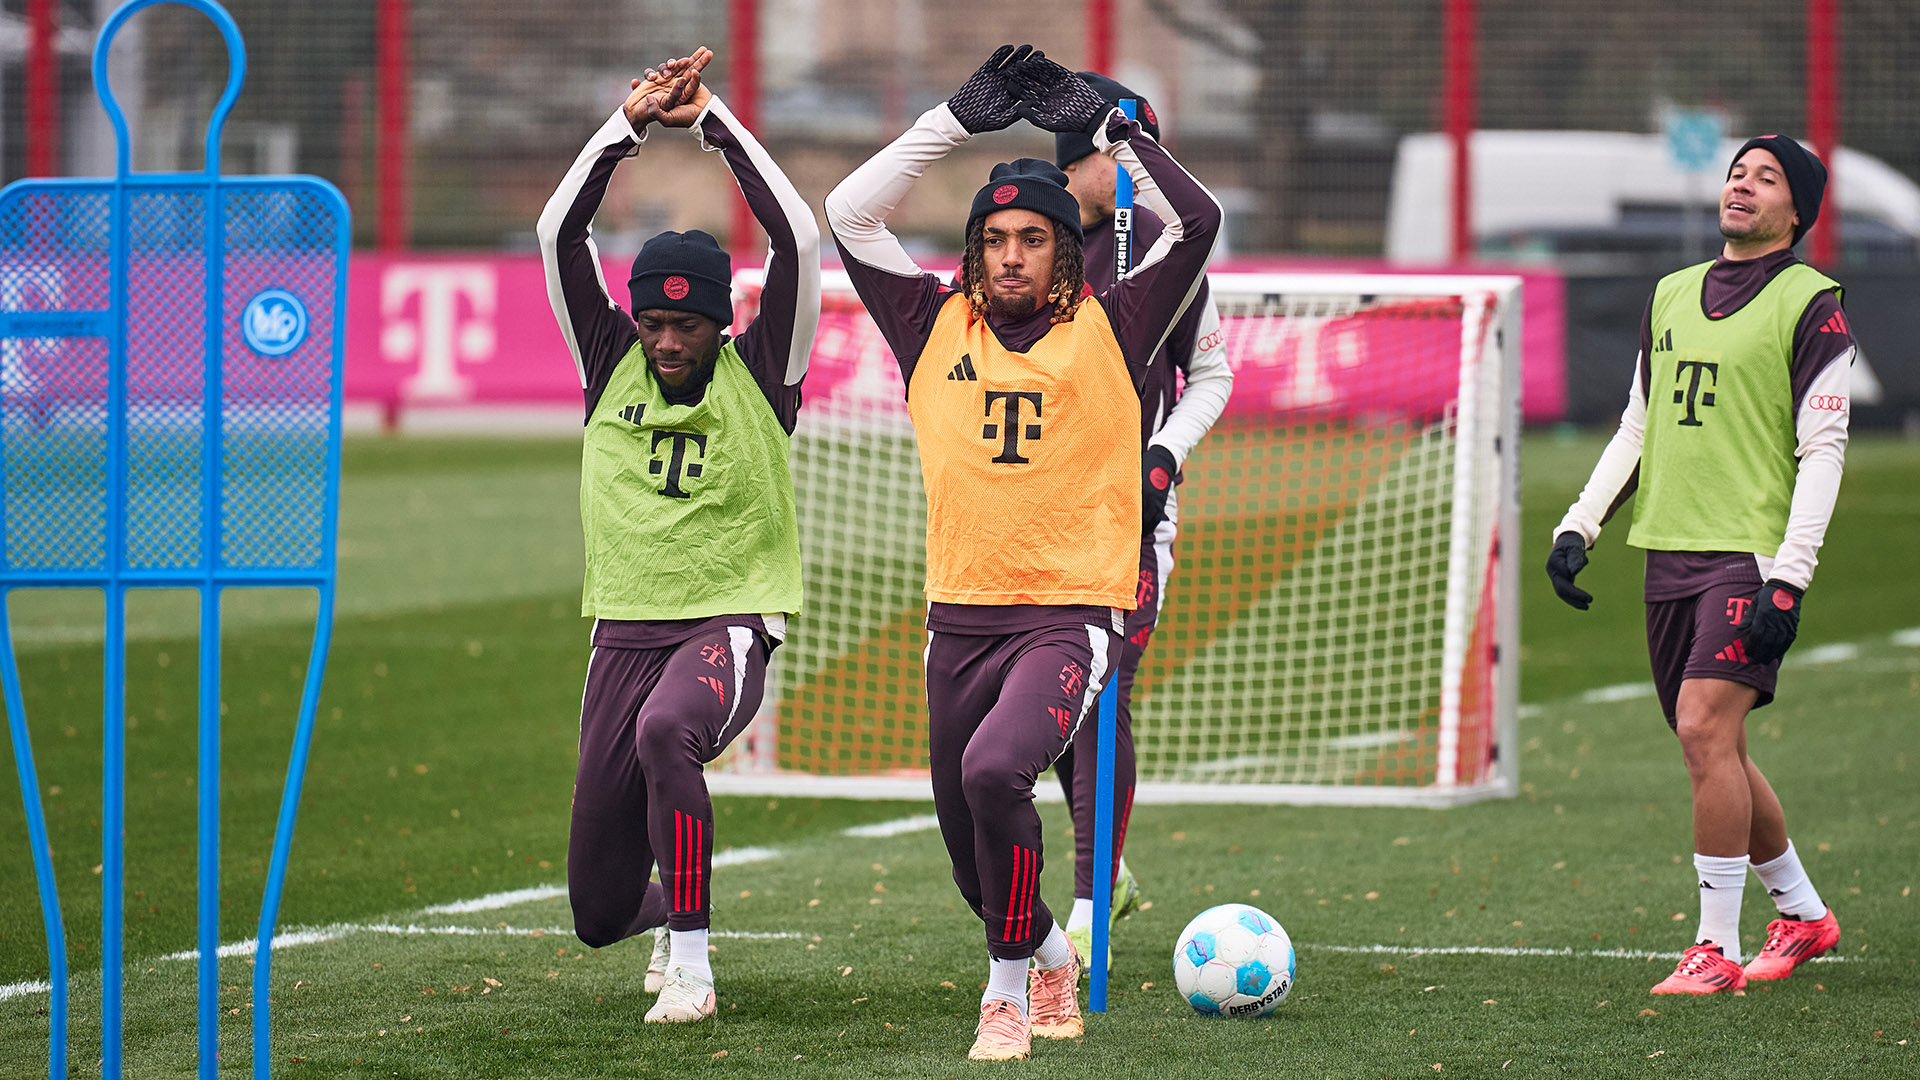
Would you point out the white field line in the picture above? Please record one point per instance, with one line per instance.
(311, 935)
(1512, 950)
(916, 823)
(514, 897)
(1909, 637)
(1617, 692)
(22, 989)
(1831, 654)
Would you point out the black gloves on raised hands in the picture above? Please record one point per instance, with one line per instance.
(1569, 558)
(1056, 99)
(1157, 469)
(990, 100)
(1771, 622)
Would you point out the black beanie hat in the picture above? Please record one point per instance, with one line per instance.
(1806, 176)
(683, 272)
(1028, 184)
(1071, 146)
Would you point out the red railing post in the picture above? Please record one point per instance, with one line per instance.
(43, 90)
(1461, 92)
(391, 47)
(743, 98)
(1823, 117)
(1100, 36)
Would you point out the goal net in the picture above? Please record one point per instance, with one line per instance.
(1340, 625)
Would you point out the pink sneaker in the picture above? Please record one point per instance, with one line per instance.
(1003, 1034)
(1055, 999)
(1703, 970)
(1790, 943)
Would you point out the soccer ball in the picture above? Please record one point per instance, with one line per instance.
(1233, 960)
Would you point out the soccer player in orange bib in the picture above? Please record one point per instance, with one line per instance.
(1024, 392)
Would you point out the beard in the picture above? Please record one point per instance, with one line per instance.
(696, 381)
(1012, 306)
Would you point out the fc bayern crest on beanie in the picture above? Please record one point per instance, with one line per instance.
(1029, 184)
(1806, 175)
(1071, 146)
(683, 272)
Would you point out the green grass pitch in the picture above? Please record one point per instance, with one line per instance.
(443, 760)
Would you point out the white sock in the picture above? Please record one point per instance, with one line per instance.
(687, 949)
(1054, 952)
(1721, 880)
(1007, 981)
(1082, 916)
(1792, 891)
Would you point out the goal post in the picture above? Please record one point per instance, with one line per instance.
(1340, 625)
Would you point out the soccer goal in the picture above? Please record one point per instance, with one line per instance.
(1341, 623)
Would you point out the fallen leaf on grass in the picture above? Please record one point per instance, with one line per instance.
(949, 985)
(1146, 986)
(720, 1054)
(491, 982)
(845, 971)
(1648, 1012)
(1656, 1053)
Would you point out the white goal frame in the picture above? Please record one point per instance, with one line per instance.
(1486, 445)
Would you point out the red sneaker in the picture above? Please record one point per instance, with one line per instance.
(1791, 942)
(1703, 970)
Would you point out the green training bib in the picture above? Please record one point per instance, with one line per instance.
(688, 510)
(1717, 467)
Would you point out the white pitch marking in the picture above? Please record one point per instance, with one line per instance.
(1512, 950)
(311, 935)
(916, 823)
(22, 989)
(513, 897)
(1909, 637)
(1617, 692)
(1831, 654)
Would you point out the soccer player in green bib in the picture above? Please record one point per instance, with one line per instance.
(1735, 434)
(693, 554)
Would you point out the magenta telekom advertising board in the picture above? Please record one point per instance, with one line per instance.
(426, 332)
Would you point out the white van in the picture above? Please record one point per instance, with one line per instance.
(1606, 200)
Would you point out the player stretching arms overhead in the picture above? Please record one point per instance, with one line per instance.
(1735, 433)
(1172, 423)
(1025, 400)
(693, 555)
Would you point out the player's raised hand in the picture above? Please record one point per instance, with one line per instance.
(1569, 558)
(989, 100)
(672, 94)
(1057, 99)
(1772, 622)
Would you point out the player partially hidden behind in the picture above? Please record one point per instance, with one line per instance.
(693, 555)
(1025, 399)
(1735, 433)
(1172, 423)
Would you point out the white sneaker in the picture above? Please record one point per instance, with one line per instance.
(657, 963)
(684, 998)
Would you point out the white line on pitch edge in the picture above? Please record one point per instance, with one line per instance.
(1512, 950)
(916, 823)
(22, 989)
(311, 935)
(512, 897)
(1909, 637)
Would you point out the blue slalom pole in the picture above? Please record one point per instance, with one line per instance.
(1102, 848)
(1109, 697)
(40, 843)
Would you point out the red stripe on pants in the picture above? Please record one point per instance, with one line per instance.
(699, 887)
(679, 845)
(1013, 898)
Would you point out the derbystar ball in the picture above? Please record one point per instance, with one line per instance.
(1233, 960)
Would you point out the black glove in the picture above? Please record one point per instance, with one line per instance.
(1771, 622)
(1569, 558)
(990, 100)
(1056, 99)
(1157, 470)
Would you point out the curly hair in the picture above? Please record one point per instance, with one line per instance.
(1069, 272)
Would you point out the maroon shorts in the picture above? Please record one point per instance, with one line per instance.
(1697, 638)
